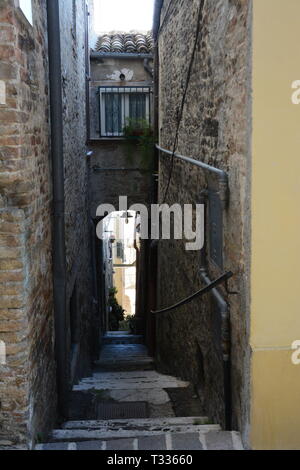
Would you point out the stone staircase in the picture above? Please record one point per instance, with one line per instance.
(126, 405)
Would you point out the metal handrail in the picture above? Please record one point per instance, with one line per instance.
(199, 293)
(202, 165)
(221, 174)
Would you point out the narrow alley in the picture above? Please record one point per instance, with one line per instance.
(127, 405)
(149, 226)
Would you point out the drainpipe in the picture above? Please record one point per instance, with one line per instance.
(156, 19)
(148, 69)
(224, 311)
(225, 346)
(59, 250)
(152, 268)
(156, 25)
(119, 55)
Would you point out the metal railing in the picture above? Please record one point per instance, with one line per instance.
(222, 317)
(205, 290)
(221, 175)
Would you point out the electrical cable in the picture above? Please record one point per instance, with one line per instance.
(180, 115)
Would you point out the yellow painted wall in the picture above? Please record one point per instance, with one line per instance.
(275, 272)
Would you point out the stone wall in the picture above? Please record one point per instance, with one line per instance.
(78, 235)
(27, 386)
(215, 129)
(114, 174)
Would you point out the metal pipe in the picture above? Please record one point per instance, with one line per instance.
(148, 68)
(222, 303)
(156, 19)
(156, 104)
(225, 345)
(59, 250)
(226, 336)
(202, 165)
(221, 174)
(119, 55)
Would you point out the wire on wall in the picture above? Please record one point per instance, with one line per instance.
(180, 114)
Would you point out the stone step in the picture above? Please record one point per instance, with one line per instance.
(124, 357)
(154, 396)
(135, 374)
(121, 352)
(129, 381)
(123, 339)
(208, 440)
(127, 364)
(150, 424)
(77, 435)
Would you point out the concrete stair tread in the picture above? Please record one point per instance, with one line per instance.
(124, 357)
(124, 373)
(153, 396)
(209, 440)
(150, 375)
(120, 349)
(75, 435)
(122, 335)
(115, 334)
(138, 374)
(125, 381)
(148, 423)
(123, 339)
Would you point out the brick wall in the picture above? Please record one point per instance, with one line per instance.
(215, 128)
(27, 387)
(28, 381)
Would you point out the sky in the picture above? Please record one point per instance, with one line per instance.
(123, 15)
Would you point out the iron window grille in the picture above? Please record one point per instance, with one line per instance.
(119, 105)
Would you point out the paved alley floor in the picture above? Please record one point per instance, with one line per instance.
(127, 405)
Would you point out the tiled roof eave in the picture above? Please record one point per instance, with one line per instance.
(135, 43)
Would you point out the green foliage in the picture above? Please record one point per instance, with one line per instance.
(39, 438)
(133, 325)
(198, 422)
(128, 324)
(116, 313)
(139, 135)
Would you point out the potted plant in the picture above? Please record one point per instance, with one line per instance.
(138, 133)
(116, 313)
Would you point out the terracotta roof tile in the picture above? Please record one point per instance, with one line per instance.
(125, 42)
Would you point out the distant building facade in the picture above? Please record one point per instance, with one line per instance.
(121, 110)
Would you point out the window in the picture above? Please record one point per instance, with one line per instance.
(120, 250)
(26, 7)
(120, 104)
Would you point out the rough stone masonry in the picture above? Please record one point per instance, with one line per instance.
(214, 129)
